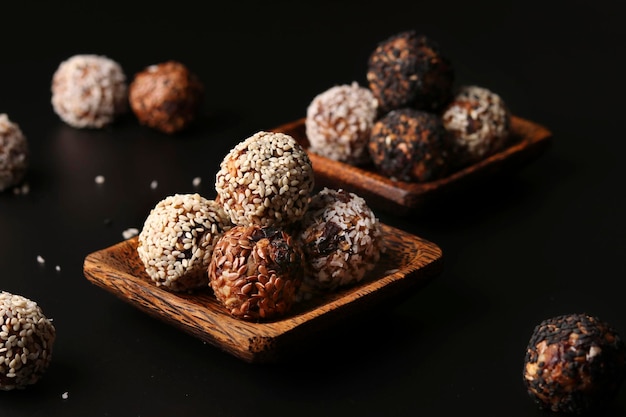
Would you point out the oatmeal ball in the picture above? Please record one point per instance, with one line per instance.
(410, 145)
(256, 271)
(574, 363)
(479, 123)
(266, 179)
(338, 123)
(177, 240)
(89, 91)
(14, 153)
(341, 239)
(409, 70)
(26, 341)
(166, 96)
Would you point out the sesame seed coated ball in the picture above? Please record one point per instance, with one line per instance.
(26, 342)
(177, 239)
(89, 91)
(478, 121)
(338, 123)
(574, 363)
(409, 70)
(14, 153)
(266, 179)
(256, 271)
(410, 145)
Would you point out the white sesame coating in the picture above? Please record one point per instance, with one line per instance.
(266, 179)
(14, 153)
(177, 239)
(26, 341)
(89, 91)
(338, 123)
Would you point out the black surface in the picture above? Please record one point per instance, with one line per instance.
(550, 240)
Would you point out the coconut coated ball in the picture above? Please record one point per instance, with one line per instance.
(14, 153)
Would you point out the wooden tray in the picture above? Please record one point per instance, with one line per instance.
(528, 141)
(408, 263)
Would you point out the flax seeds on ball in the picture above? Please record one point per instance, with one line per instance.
(177, 239)
(265, 179)
(14, 153)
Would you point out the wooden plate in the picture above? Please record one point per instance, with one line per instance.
(528, 140)
(408, 263)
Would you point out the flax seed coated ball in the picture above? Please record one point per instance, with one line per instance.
(574, 363)
(409, 70)
(26, 342)
(265, 179)
(89, 91)
(14, 153)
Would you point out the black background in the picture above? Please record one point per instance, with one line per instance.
(548, 241)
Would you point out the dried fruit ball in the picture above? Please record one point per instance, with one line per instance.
(409, 70)
(338, 123)
(574, 363)
(177, 239)
(14, 153)
(89, 91)
(410, 145)
(166, 96)
(478, 121)
(256, 271)
(266, 179)
(26, 342)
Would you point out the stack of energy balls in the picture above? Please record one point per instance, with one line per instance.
(409, 122)
(268, 240)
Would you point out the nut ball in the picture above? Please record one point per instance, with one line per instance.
(409, 70)
(14, 153)
(166, 96)
(574, 363)
(26, 340)
(256, 271)
(410, 145)
(89, 91)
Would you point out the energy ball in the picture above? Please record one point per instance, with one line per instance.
(409, 70)
(26, 341)
(256, 271)
(14, 153)
(266, 179)
(410, 145)
(341, 239)
(478, 121)
(574, 363)
(89, 91)
(177, 240)
(166, 96)
(338, 123)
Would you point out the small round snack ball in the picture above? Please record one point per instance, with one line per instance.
(177, 239)
(410, 145)
(409, 70)
(266, 179)
(26, 341)
(89, 91)
(341, 239)
(166, 96)
(255, 272)
(478, 121)
(338, 123)
(14, 153)
(574, 363)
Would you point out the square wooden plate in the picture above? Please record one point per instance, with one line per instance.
(527, 141)
(408, 263)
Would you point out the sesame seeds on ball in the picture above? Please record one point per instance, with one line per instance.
(338, 123)
(26, 342)
(177, 239)
(89, 91)
(14, 153)
(265, 179)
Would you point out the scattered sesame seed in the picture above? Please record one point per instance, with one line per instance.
(196, 181)
(154, 184)
(40, 259)
(130, 232)
(65, 395)
(99, 179)
(58, 268)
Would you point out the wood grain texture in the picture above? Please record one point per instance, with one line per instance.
(528, 141)
(409, 263)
